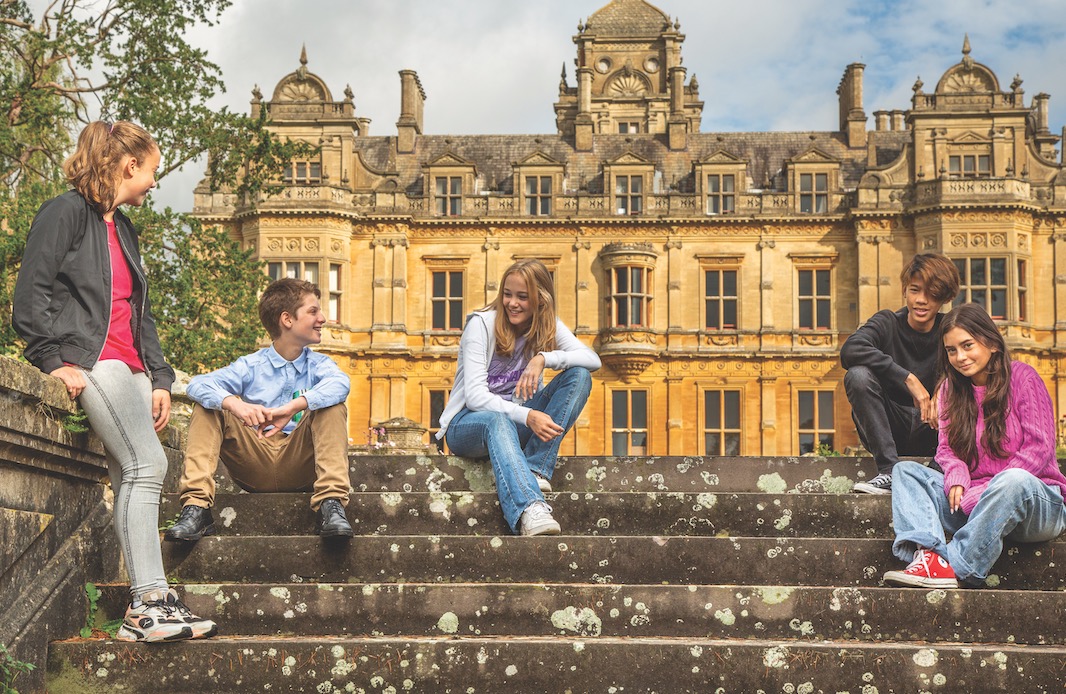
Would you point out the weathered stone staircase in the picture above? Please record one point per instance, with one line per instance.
(672, 575)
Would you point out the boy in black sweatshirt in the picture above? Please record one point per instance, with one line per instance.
(891, 369)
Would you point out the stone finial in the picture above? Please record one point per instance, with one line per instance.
(562, 79)
(677, 25)
(257, 95)
(580, 26)
(966, 59)
(694, 83)
(1016, 84)
(301, 72)
(348, 93)
(918, 84)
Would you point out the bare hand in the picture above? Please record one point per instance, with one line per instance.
(73, 379)
(922, 401)
(160, 408)
(543, 425)
(955, 497)
(530, 378)
(254, 416)
(280, 416)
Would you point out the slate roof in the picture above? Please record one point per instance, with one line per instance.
(628, 18)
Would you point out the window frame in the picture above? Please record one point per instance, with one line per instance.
(629, 196)
(1014, 288)
(629, 430)
(718, 198)
(722, 298)
(812, 198)
(723, 430)
(817, 429)
(532, 198)
(448, 203)
(630, 299)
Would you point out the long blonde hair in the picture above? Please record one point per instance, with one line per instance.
(94, 168)
(541, 334)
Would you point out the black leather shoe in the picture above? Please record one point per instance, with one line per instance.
(331, 520)
(193, 523)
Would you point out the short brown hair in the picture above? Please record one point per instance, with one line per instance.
(937, 273)
(283, 296)
(94, 168)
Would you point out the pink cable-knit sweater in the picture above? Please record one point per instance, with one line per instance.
(1029, 439)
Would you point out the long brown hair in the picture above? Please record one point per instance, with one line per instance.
(541, 334)
(961, 406)
(94, 168)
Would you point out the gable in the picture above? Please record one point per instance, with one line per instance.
(814, 156)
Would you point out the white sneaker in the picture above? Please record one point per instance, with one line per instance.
(537, 520)
(543, 483)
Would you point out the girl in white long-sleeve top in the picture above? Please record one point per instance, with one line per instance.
(498, 407)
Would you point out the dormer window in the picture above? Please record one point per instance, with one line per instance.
(538, 179)
(629, 127)
(448, 195)
(629, 194)
(721, 193)
(814, 193)
(719, 179)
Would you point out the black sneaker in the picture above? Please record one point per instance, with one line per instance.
(193, 523)
(882, 484)
(331, 520)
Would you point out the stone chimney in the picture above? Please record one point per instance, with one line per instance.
(412, 101)
(852, 117)
(677, 126)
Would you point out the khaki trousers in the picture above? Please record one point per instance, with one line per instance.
(314, 457)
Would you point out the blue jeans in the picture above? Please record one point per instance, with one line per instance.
(1015, 505)
(514, 451)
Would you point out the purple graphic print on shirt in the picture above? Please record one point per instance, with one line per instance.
(503, 372)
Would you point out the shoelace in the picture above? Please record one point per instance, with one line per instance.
(922, 559)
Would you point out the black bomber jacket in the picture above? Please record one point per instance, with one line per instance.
(62, 304)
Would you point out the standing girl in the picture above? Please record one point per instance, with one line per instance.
(997, 450)
(497, 405)
(81, 304)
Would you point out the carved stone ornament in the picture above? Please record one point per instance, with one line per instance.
(629, 366)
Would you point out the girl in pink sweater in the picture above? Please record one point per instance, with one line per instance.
(997, 450)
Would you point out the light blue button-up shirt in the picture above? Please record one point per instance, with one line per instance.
(266, 378)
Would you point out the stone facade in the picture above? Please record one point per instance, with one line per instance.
(716, 273)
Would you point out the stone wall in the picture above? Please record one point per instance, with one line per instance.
(55, 518)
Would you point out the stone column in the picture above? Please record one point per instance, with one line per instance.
(584, 316)
(492, 269)
(382, 308)
(398, 319)
(869, 273)
(766, 286)
(674, 307)
(768, 420)
(379, 396)
(676, 417)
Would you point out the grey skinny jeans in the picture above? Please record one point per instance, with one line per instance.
(118, 404)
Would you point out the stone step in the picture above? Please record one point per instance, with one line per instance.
(697, 611)
(574, 559)
(579, 513)
(693, 474)
(334, 665)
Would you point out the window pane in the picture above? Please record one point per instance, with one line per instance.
(712, 404)
(823, 282)
(999, 270)
(311, 273)
(292, 270)
(334, 307)
(977, 271)
(826, 440)
(805, 182)
(619, 409)
(636, 313)
(729, 283)
(636, 184)
(621, 314)
(960, 265)
(619, 441)
(982, 163)
(439, 282)
(821, 182)
(621, 279)
(806, 282)
(457, 185)
(712, 184)
(729, 314)
(640, 443)
(980, 299)
(301, 170)
(712, 314)
(823, 314)
(640, 409)
(334, 277)
(712, 444)
(456, 288)
(821, 203)
(806, 443)
(712, 283)
(732, 409)
(806, 409)
(441, 186)
(638, 280)
(806, 314)
(732, 444)
(622, 184)
(968, 164)
(727, 183)
(545, 205)
(825, 409)
(954, 164)
(436, 408)
(455, 317)
(438, 315)
(274, 271)
(999, 304)
(545, 185)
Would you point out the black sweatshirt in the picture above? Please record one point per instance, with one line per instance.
(892, 349)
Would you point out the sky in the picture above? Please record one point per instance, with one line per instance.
(493, 66)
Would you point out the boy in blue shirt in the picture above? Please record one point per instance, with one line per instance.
(276, 418)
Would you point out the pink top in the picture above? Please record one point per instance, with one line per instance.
(119, 343)
(1029, 439)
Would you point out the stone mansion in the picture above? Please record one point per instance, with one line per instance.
(716, 273)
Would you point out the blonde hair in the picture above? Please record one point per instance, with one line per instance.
(94, 168)
(541, 334)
